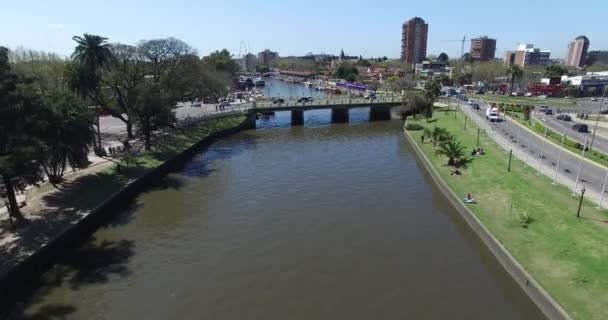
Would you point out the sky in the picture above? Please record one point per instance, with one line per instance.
(367, 28)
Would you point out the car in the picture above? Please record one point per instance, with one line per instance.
(278, 100)
(492, 115)
(563, 117)
(480, 92)
(305, 99)
(543, 108)
(593, 99)
(549, 112)
(580, 127)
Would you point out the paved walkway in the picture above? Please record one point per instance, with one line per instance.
(528, 147)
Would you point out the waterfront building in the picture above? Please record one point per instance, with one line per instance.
(413, 41)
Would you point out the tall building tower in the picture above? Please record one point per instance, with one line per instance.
(483, 48)
(577, 52)
(413, 41)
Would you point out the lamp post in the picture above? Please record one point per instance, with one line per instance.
(578, 212)
(597, 119)
(559, 155)
(580, 164)
(510, 155)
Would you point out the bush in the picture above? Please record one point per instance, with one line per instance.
(525, 219)
(413, 127)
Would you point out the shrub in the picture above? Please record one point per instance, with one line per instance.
(413, 127)
(526, 218)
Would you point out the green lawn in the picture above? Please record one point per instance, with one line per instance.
(568, 256)
(554, 102)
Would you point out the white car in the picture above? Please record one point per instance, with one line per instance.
(492, 114)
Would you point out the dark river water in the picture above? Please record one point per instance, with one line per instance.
(321, 221)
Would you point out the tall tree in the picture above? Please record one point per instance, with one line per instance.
(515, 72)
(153, 110)
(163, 55)
(93, 53)
(453, 150)
(67, 131)
(443, 57)
(20, 149)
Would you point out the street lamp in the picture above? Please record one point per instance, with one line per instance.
(578, 213)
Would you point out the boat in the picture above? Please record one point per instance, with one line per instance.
(307, 84)
(259, 82)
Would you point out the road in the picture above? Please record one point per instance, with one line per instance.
(528, 147)
(600, 142)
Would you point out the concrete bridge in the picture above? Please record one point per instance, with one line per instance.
(379, 108)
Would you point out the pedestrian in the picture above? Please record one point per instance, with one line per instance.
(422, 138)
(216, 107)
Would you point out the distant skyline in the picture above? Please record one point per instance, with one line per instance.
(370, 29)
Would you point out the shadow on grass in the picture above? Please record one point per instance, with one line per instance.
(93, 263)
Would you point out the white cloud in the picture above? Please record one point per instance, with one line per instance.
(55, 25)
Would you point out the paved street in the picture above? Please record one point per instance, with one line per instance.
(528, 147)
(600, 141)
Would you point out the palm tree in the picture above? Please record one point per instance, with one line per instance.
(440, 135)
(451, 149)
(93, 53)
(514, 71)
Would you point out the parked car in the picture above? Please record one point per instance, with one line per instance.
(543, 108)
(593, 99)
(580, 127)
(278, 100)
(563, 117)
(549, 112)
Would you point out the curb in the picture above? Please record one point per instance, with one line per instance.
(546, 304)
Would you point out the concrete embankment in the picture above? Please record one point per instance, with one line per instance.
(548, 306)
(15, 279)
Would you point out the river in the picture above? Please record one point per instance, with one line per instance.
(321, 221)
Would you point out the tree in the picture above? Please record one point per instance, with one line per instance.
(402, 84)
(222, 61)
(467, 57)
(153, 110)
(593, 91)
(347, 72)
(413, 103)
(163, 55)
(443, 57)
(453, 150)
(20, 148)
(67, 131)
(93, 53)
(262, 68)
(432, 89)
(440, 135)
(555, 71)
(515, 72)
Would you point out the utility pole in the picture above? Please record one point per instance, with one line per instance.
(464, 39)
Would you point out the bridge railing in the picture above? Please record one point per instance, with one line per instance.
(324, 102)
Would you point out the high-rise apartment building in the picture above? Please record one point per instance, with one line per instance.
(413, 41)
(577, 52)
(483, 48)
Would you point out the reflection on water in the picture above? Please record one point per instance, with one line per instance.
(319, 221)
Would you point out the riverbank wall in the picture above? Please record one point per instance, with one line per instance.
(20, 278)
(548, 306)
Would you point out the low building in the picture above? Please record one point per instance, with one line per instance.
(248, 62)
(427, 68)
(526, 55)
(599, 57)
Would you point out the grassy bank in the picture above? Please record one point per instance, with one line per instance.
(567, 255)
(554, 102)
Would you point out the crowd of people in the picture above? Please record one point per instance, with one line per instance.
(477, 152)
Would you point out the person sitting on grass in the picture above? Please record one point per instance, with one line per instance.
(481, 152)
(469, 198)
(455, 172)
(474, 152)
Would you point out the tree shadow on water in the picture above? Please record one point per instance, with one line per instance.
(95, 262)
